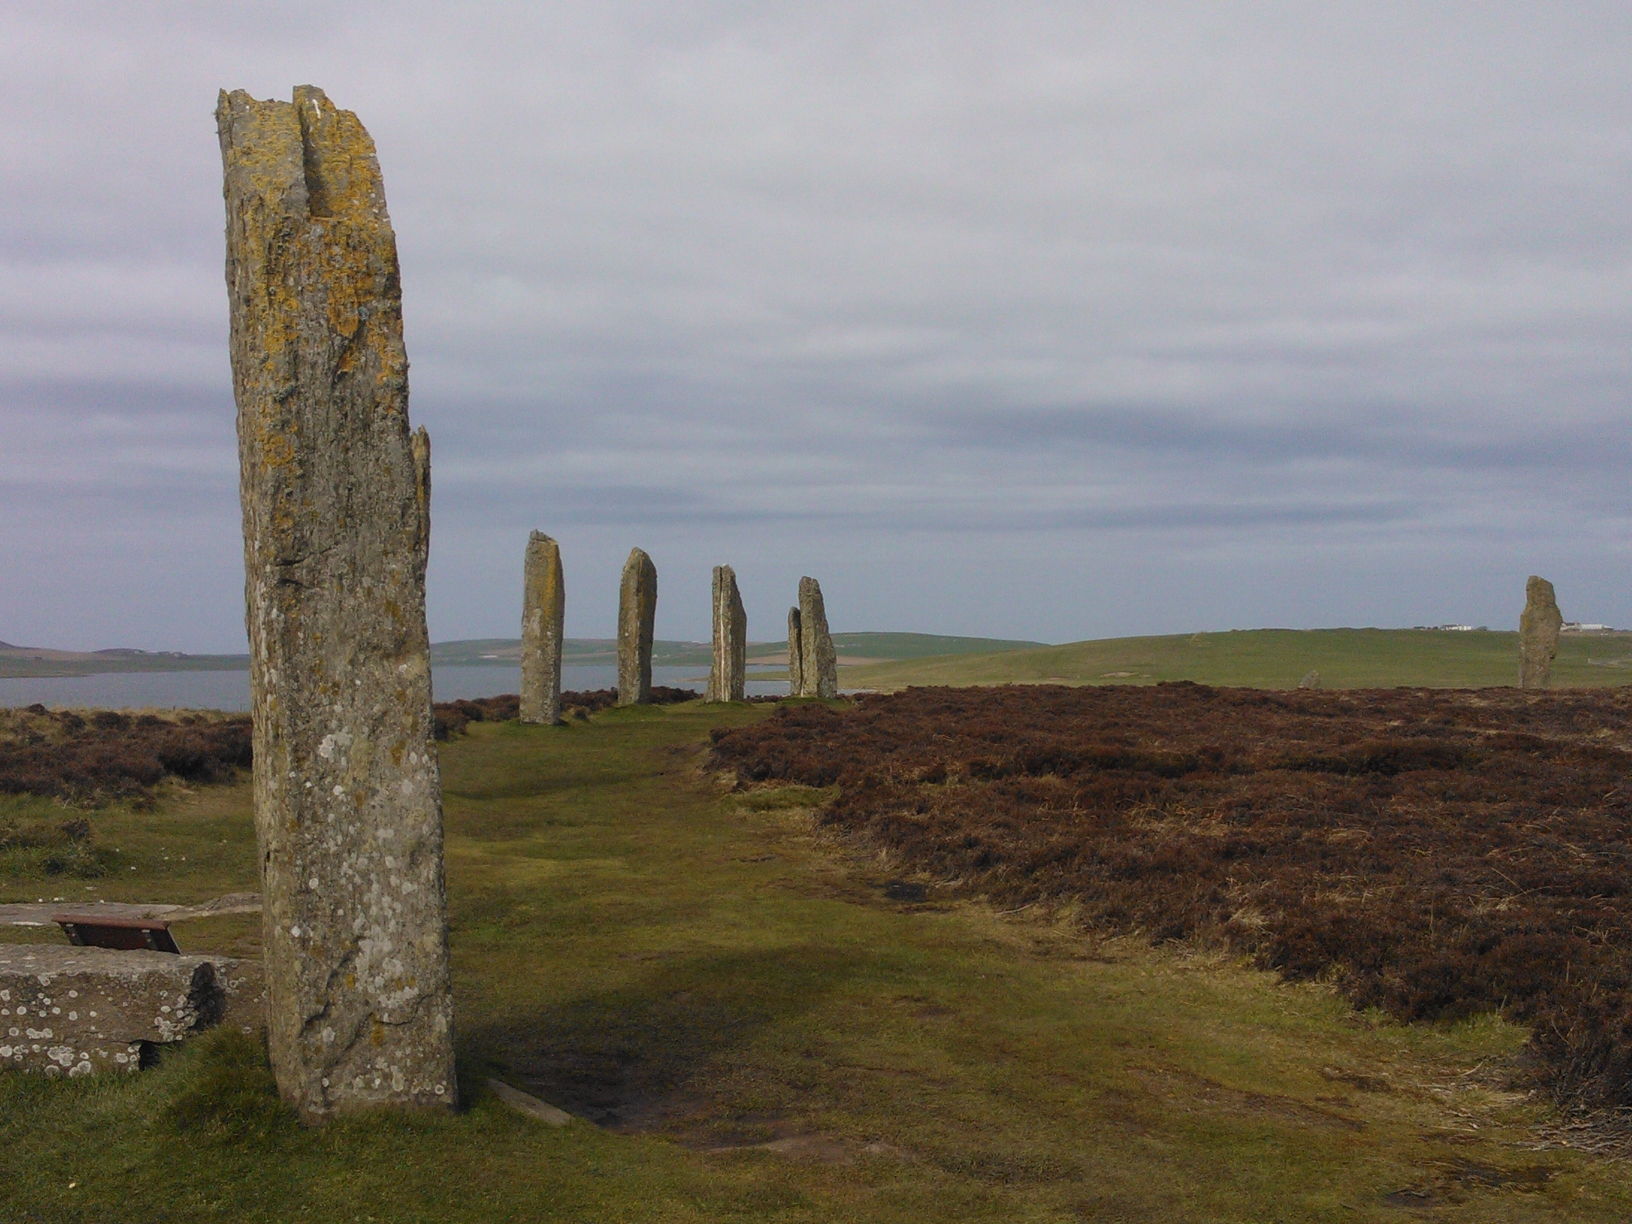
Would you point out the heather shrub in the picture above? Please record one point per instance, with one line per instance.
(89, 761)
(1432, 853)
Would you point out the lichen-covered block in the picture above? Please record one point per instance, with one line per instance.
(335, 491)
(1539, 627)
(819, 667)
(637, 612)
(727, 673)
(796, 655)
(543, 613)
(75, 1011)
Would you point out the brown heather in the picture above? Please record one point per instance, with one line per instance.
(1432, 853)
(91, 758)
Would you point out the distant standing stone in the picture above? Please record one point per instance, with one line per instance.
(1311, 679)
(819, 666)
(337, 526)
(727, 673)
(1538, 633)
(796, 655)
(543, 611)
(637, 611)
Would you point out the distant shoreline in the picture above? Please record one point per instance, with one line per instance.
(27, 662)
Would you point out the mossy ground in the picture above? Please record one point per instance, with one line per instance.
(764, 1034)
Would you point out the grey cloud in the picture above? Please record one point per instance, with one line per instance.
(1327, 291)
(1393, 435)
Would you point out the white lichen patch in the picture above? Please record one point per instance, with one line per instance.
(121, 999)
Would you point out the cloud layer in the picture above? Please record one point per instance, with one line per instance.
(1025, 320)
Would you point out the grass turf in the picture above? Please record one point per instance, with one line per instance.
(764, 1034)
(1270, 658)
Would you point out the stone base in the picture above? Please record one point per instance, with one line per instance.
(75, 1011)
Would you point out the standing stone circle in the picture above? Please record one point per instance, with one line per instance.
(637, 612)
(727, 673)
(336, 515)
(819, 666)
(796, 655)
(1539, 625)
(543, 612)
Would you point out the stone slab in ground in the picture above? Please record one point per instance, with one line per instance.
(74, 1011)
(527, 1103)
(43, 913)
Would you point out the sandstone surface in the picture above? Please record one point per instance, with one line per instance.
(819, 666)
(727, 673)
(335, 493)
(637, 611)
(543, 613)
(1539, 626)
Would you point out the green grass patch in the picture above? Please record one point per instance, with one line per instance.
(1271, 658)
(759, 1032)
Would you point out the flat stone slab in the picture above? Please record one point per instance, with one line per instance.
(528, 1104)
(44, 913)
(75, 1011)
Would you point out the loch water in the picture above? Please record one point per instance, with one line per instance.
(229, 690)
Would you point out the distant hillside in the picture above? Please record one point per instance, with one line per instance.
(922, 645)
(19, 661)
(1260, 658)
(1272, 658)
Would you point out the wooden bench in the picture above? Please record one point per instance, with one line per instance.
(124, 934)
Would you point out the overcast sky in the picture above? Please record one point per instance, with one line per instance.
(1032, 320)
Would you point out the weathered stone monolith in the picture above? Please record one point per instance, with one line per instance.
(543, 611)
(336, 511)
(1538, 633)
(637, 610)
(1311, 679)
(727, 673)
(796, 655)
(819, 666)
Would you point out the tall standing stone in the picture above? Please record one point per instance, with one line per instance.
(637, 611)
(819, 666)
(727, 674)
(796, 655)
(543, 612)
(1538, 633)
(336, 509)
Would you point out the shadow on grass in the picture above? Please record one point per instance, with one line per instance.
(653, 1054)
(224, 1089)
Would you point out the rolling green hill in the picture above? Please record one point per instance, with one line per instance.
(921, 645)
(1270, 658)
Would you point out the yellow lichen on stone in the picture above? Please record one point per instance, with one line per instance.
(336, 509)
